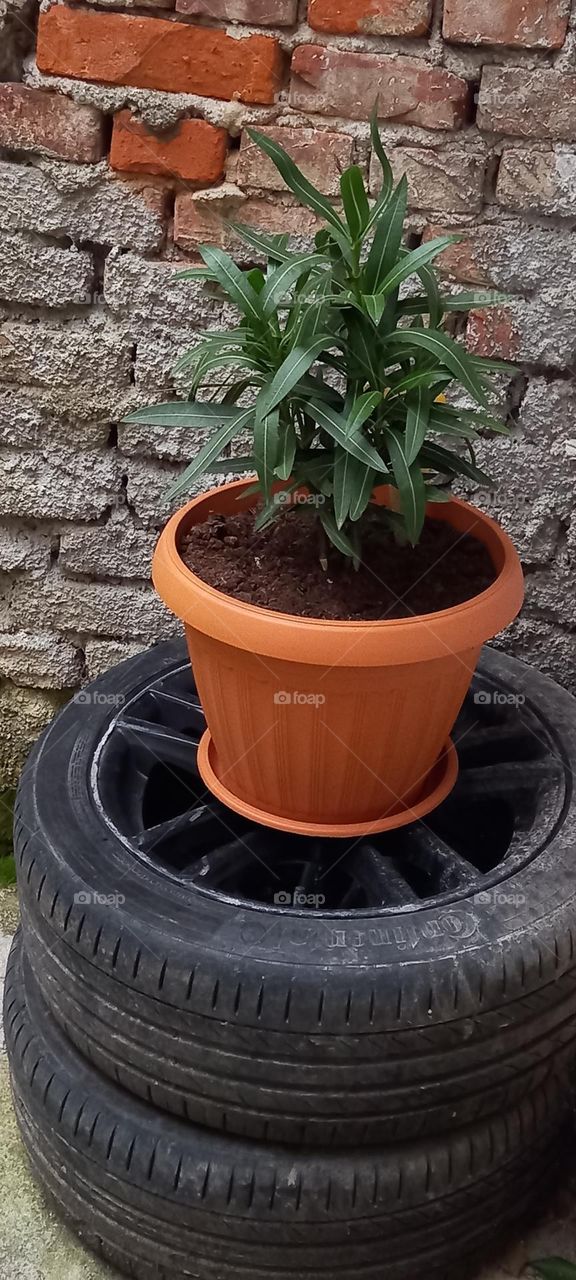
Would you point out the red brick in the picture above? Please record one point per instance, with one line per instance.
(460, 261)
(320, 155)
(154, 53)
(31, 120)
(275, 13)
(449, 177)
(205, 221)
(408, 90)
(194, 150)
(529, 104)
(372, 17)
(534, 24)
(492, 334)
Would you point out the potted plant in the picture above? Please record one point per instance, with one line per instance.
(336, 605)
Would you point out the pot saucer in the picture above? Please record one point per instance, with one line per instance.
(438, 785)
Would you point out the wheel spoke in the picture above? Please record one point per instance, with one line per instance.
(504, 781)
(379, 876)
(229, 860)
(184, 713)
(198, 824)
(167, 745)
(446, 868)
(490, 744)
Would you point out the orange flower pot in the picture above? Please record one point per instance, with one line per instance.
(333, 728)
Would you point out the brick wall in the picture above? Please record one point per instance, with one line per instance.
(122, 147)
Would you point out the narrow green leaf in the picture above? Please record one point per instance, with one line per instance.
(424, 378)
(450, 463)
(295, 180)
(289, 374)
(384, 249)
(285, 276)
(436, 494)
(233, 281)
(355, 201)
(233, 466)
(375, 305)
(336, 426)
(181, 413)
(337, 537)
(266, 447)
(286, 452)
(362, 408)
(464, 301)
(387, 175)
(554, 1269)
(410, 485)
(412, 263)
(210, 452)
(270, 246)
(417, 416)
(435, 302)
(447, 413)
(450, 353)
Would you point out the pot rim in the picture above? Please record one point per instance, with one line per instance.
(422, 637)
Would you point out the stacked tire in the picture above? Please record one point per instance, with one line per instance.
(213, 1086)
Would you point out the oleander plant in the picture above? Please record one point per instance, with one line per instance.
(337, 370)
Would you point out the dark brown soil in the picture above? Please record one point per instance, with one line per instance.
(280, 568)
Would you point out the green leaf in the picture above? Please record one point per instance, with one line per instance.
(464, 301)
(270, 246)
(233, 466)
(353, 485)
(450, 353)
(410, 485)
(436, 494)
(417, 415)
(337, 537)
(554, 1269)
(447, 413)
(210, 452)
(450, 463)
(435, 304)
(285, 276)
(387, 175)
(286, 452)
(374, 305)
(295, 180)
(220, 361)
(234, 282)
(411, 263)
(384, 249)
(362, 409)
(337, 427)
(266, 447)
(288, 375)
(355, 201)
(423, 378)
(181, 413)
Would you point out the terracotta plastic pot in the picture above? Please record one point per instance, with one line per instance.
(332, 728)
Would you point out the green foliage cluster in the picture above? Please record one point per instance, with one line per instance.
(339, 372)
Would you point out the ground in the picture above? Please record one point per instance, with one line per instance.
(34, 1245)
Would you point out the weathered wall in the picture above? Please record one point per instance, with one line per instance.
(122, 147)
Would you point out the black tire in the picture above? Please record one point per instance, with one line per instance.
(164, 1198)
(360, 1027)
